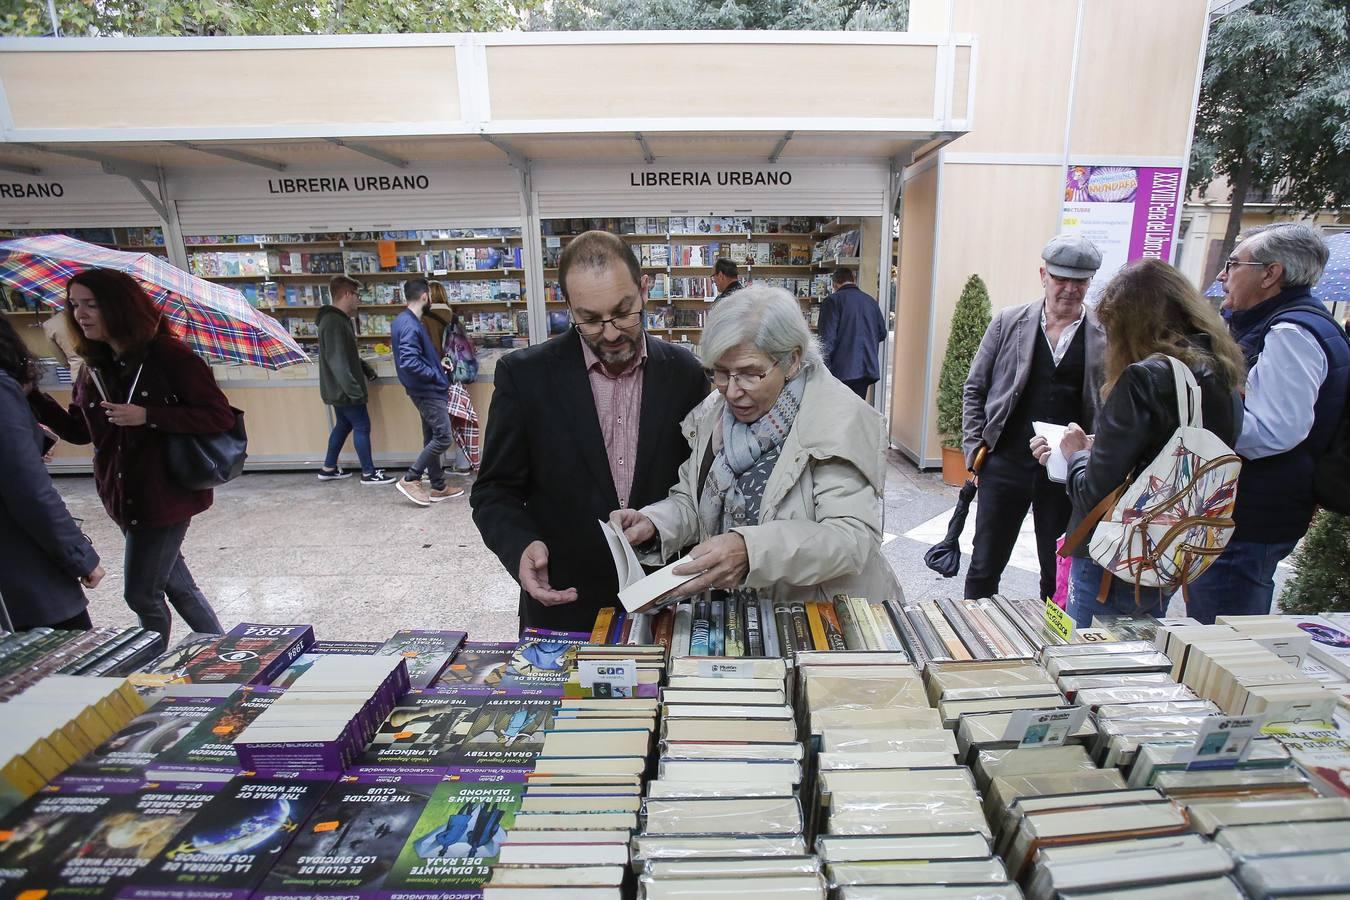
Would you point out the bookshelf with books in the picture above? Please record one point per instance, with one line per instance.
(287, 275)
(677, 253)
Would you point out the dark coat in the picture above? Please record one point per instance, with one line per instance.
(342, 372)
(1136, 422)
(852, 330)
(545, 474)
(417, 360)
(180, 396)
(43, 554)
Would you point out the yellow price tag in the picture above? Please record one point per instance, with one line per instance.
(1058, 621)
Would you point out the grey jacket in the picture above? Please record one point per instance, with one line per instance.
(43, 553)
(1000, 369)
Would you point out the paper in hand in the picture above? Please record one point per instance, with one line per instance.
(1056, 467)
(638, 591)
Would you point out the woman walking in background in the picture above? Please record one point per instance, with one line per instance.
(140, 384)
(44, 557)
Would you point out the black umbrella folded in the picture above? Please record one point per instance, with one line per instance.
(944, 557)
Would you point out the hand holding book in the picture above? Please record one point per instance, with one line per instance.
(719, 562)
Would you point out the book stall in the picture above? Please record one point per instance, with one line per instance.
(716, 747)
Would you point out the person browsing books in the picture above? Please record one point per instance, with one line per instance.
(343, 376)
(783, 488)
(140, 383)
(418, 363)
(1150, 312)
(44, 557)
(582, 424)
(727, 277)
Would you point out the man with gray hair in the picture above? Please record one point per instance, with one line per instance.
(1038, 362)
(1298, 378)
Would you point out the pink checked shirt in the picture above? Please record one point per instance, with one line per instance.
(618, 403)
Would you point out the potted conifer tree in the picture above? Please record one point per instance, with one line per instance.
(1321, 569)
(969, 322)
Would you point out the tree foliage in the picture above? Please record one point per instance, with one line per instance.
(1322, 568)
(1275, 106)
(82, 18)
(970, 320)
(718, 15)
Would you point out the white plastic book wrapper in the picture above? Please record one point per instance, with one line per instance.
(854, 740)
(931, 892)
(963, 871)
(649, 847)
(1282, 838)
(765, 816)
(1209, 816)
(1139, 861)
(835, 848)
(1003, 792)
(907, 812)
(1312, 873)
(721, 868)
(1201, 889)
(685, 790)
(791, 887)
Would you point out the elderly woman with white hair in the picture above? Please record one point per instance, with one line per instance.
(783, 488)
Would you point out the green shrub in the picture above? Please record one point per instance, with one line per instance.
(1322, 568)
(970, 319)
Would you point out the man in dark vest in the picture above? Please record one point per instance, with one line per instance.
(1298, 375)
(727, 278)
(581, 425)
(1039, 362)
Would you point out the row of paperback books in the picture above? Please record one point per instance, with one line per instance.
(29, 656)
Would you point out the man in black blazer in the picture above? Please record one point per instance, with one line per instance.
(562, 448)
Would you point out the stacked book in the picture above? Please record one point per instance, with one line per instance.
(723, 816)
(891, 808)
(29, 656)
(215, 665)
(55, 723)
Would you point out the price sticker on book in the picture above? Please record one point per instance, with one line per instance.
(1044, 727)
(1058, 621)
(1224, 741)
(726, 668)
(1095, 636)
(608, 678)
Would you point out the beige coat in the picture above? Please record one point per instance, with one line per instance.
(820, 531)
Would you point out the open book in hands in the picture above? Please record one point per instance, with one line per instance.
(639, 592)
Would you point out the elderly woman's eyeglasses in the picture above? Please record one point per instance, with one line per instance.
(625, 321)
(746, 381)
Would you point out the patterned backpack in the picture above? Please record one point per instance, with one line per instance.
(1168, 525)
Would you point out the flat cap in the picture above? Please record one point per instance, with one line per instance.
(1071, 256)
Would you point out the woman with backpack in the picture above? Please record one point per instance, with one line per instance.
(1150, 313)
(139, 385)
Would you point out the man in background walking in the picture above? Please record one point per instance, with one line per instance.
(343, 376)
(727, 277)
(418, 363)
(852, 329)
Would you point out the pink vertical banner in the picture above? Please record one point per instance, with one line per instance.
(1155, 213)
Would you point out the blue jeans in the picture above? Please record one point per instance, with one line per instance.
(1085, 581)
(353, 420)
(1241, 582)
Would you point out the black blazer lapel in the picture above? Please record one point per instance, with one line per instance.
(654, 420)
(582, 421)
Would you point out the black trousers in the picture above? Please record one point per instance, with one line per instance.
(1009, 484)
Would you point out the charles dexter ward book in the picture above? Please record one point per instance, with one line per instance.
(232, 841)
(427, 729)
(250, 654)
(90, 839)
(426, 652)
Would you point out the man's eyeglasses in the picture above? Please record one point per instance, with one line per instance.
(592, 329)
(746, 381)
(1230, 262)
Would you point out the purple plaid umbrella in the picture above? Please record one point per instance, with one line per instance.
(215, 320)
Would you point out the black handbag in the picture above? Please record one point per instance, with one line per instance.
(199, 462)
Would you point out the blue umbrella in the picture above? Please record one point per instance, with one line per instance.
(1335, 284)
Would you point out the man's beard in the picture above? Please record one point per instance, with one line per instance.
(615, 358)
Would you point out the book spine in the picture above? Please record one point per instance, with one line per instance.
(867, 626)
(993, 639)
(682, 629)
(698, 634)
(717, 628)
(853, 639)
(834, 632)
(890, 640)
(801, 630)
(735, 626)
(913, 645)
(782, 617)
(768, 624)
(1009, 630)
(754, 634)
(616, 626)
(641, 630)
(125, 660)
(108, 648)
(603, 620)
(932, 644)
(972, 642)
(663, 628)
(817, 626)
(943, 629)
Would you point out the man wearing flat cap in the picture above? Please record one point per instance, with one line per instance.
(1038, 362)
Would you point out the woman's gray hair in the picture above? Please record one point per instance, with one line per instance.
(768, 317)
(1299, 248)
